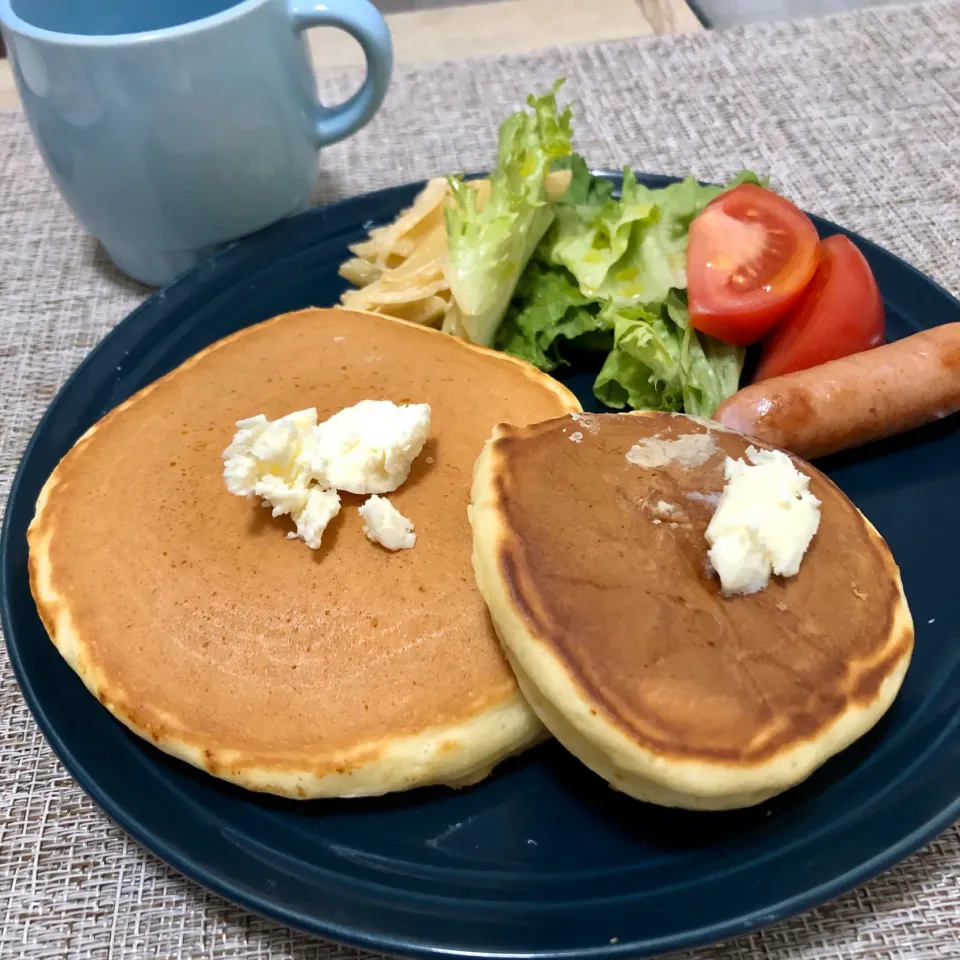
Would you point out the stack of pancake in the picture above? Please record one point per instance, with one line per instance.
(349, 671)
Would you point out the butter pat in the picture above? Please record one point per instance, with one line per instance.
(321, 507)
(263, 447)
(296, 465)
(282, 495)
(369, 447)
(268, 459)
(383, 523)
(764, 522)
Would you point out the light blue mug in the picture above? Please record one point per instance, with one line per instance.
(174, 126)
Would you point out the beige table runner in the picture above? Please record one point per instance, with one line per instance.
(856, 118)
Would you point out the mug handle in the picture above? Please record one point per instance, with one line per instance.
(363, 22)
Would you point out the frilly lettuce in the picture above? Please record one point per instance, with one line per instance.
(587, 271)
(548, 314)
(611, 274)
(632, 250)
(490, 246)
(590, 239)
(659, 362)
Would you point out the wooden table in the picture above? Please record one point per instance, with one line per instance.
(504, 26)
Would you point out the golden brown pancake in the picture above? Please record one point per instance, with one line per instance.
(348, 670)
(595, 572)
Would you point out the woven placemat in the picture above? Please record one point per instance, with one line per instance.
(857, 118)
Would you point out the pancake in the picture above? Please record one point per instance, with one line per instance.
(348, 670)
(595, 572)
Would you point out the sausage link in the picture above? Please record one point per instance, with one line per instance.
(855, 400)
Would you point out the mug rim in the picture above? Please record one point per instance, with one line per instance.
(10, 19)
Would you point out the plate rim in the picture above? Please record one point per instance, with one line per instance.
(632, 947)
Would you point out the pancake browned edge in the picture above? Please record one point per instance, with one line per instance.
(187, 612)
(595, 572)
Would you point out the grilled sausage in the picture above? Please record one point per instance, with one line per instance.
(855, 400)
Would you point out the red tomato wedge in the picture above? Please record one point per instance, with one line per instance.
(750, 255)
(838, 314)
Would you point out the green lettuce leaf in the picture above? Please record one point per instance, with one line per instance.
(548, 314)
(626, 258)
(643, 370)
(489, 247)
(632, 251)
(590, 238)
(659, 362)
(585, 190)
(711, 368)
(610, 275)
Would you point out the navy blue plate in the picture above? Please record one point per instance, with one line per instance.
(543, 859)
